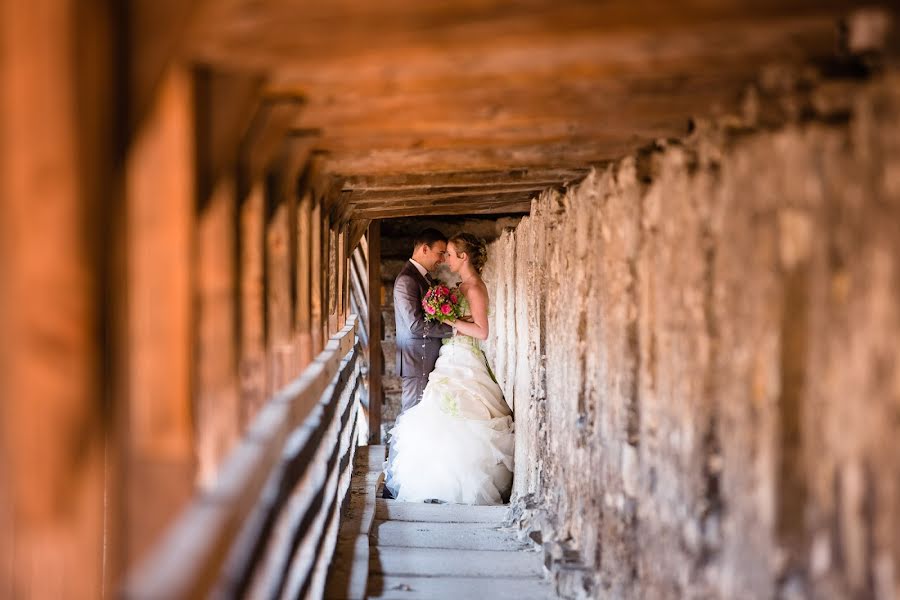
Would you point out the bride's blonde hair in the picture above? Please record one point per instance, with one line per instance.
(473, 246)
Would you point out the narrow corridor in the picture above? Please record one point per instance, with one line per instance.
(429, 551)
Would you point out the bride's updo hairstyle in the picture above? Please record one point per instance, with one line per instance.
(473, 246)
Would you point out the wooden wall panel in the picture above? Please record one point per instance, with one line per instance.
(160, 223)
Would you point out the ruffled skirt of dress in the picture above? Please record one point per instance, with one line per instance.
(457, 444)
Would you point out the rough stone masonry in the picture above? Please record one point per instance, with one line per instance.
(700, 343)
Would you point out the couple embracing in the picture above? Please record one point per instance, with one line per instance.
(453, 441)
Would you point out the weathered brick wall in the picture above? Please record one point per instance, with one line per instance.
(701, 346)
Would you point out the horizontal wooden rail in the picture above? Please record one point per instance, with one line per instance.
(269, 525)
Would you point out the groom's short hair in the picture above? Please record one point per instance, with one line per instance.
(429, 237)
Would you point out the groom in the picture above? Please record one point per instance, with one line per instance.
(418, 341)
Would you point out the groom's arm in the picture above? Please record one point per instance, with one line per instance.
(409, 305)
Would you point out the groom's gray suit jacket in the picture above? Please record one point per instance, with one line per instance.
(418, 341)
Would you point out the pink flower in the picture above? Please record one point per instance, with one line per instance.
(453, 298)
(445, 308)
(430, 309)
(444, 290)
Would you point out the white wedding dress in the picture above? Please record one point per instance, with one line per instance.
(456, 445)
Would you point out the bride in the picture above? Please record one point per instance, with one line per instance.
(456, 445)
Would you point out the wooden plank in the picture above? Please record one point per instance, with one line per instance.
(190, 560)
(349, 574)
(302, 518)
(344, 466)
(376, 360)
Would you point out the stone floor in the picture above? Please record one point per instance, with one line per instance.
(418, 550)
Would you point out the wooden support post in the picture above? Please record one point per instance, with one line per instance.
(375, 357)
(217, 400)
(341, 275)
(56, 174)
(278, 293)
(328, 284)
(160, 188)
(225, 104)
(331, 274)
(252, 342)
(304, 276)
(317, 309)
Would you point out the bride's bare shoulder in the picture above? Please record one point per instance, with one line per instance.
(478, 288)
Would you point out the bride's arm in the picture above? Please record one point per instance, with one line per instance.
(478, 303)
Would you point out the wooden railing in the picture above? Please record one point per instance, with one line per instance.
(269, 525)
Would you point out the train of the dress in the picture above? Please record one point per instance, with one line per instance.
(457, 444)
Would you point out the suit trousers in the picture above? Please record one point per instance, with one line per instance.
(411, 391)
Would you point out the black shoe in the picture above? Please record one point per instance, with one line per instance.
(434, 501)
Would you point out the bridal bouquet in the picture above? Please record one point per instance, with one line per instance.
(441, 303)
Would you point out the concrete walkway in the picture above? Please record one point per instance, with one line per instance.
(418, 550)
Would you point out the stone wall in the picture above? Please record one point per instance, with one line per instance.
(700, 343)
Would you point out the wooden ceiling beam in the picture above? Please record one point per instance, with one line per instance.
(414, 181)
(284, 31)
(509, 63)
(575, 154)
(484, 198)
(508, 208)
(453, 205)
(363, 198)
